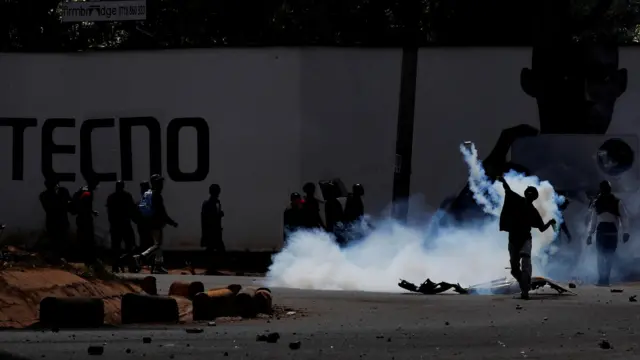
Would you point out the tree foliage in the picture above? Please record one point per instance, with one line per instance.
(34, 25)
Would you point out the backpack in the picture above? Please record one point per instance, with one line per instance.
(146, 206)
(74, 205)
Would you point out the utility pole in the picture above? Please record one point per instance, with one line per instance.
(406, 109)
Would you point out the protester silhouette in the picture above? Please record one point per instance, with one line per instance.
(354, 207)
(121, 211)
(334, 214)
(294, 215)
(608, 219)
(142, 223)
(518, 217)
(55, 203)
(82, 205)
(211, 216)
(311, 207)
(154, 212)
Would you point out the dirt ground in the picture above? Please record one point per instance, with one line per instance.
(27, 277)
(22, 289)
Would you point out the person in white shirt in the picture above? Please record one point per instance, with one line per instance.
(608, 219)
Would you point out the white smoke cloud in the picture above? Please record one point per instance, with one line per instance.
(470, 254)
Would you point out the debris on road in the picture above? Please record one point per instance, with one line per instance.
(273, 338)
(268, 337)
(572, 286)
(294, 345)
(518, 307)
(430, 288)
(146, 340)
(604, 344)
(194, 330)
(95, 350)
(211, 323)
(501, 286)
(632, 298)
(617, 290)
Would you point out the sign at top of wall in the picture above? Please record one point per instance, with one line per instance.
(81, 11)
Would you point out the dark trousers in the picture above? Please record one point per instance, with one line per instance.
(520, 252)
(340, 232)
(58, 236)
(606, 245)
(121, 234)
(212, 241)
(144, 234)
(86, 238)
(288, 230)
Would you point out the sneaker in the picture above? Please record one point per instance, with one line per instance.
(159, 269)
(134, 264)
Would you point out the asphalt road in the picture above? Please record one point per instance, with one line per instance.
(356, 325)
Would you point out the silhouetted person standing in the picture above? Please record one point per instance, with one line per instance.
(334, 213)
(563, 207)
(83, 207)
(144, 233)
(211, 225)
(55, 202)
(311, 207)
(121, 210)
(294, 216)
(153, 210)
(354, 208)
(518, 217)
(608, 219)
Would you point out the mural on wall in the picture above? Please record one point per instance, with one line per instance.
(576, 87)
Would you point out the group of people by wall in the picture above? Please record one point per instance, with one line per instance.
(304, 211)
(149, 214)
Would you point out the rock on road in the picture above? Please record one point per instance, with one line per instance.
(354, 325)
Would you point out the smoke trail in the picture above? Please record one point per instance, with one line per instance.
(469, 254)
(490, 196)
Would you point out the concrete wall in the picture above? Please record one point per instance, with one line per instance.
(463, 94)
(276, 118)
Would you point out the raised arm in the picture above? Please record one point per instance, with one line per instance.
(504, 183)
